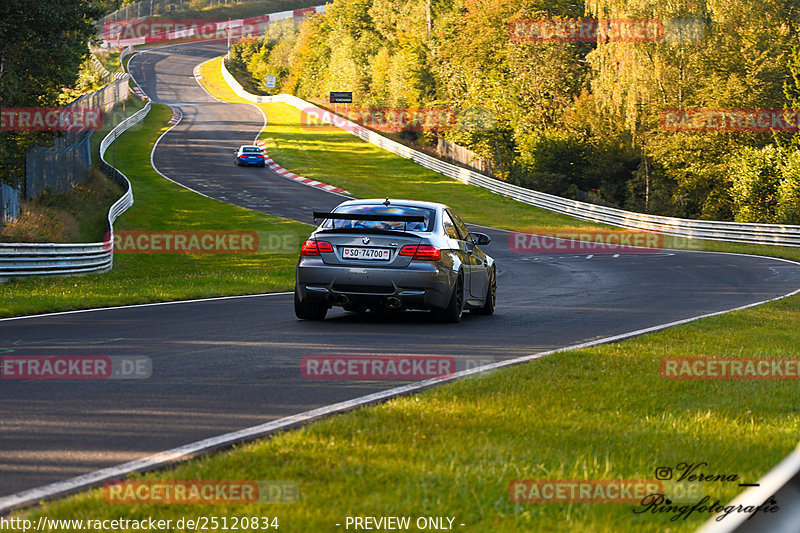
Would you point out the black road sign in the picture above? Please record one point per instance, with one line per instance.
(342, 97)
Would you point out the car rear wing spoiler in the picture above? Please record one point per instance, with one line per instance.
(375, 218)
(405, 219)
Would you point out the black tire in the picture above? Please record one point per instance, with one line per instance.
(309, 310)
(455, 309)
(491, 296)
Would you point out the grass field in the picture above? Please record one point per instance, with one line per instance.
(109, 60)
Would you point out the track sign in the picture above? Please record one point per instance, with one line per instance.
(341, 97)
(271, 81)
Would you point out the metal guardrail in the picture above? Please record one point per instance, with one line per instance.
(778, 494)
(98, 65)
(770, 234)
(29, 259)
(122, 55)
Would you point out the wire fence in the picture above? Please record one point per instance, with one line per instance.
(59, 168)
(464, 155)
(68, 162)
(107, 77)
(106, 97)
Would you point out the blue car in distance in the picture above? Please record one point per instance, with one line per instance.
(249, 155)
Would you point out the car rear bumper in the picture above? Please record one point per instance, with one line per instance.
(420, 285)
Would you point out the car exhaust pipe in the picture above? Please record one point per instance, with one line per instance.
(392, 302)
(340, 299)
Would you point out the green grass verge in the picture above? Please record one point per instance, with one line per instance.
(109, 60)
(164, 206)
(125, 61)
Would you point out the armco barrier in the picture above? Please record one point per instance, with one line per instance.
(771, 234)
(778, 490)
(98, 65)
(128, 50)
(108, 76)
(26, 259)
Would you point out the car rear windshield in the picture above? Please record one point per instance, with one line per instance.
(251, 150)
(381, 209)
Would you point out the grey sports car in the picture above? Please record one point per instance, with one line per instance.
(394, 254)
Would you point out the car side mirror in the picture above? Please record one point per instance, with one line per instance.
(481, 239)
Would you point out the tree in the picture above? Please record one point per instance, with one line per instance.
(788, 211)
(755, 184)
(42, 46)
(734, 56)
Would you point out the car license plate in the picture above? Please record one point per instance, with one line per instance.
(374, 254)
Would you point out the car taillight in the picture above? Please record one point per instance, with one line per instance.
(260, 156)
(423, 252)
(243, 156)
(311, 247)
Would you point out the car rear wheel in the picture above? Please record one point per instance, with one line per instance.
(491, 296)
(309, 310)
(455, 309)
